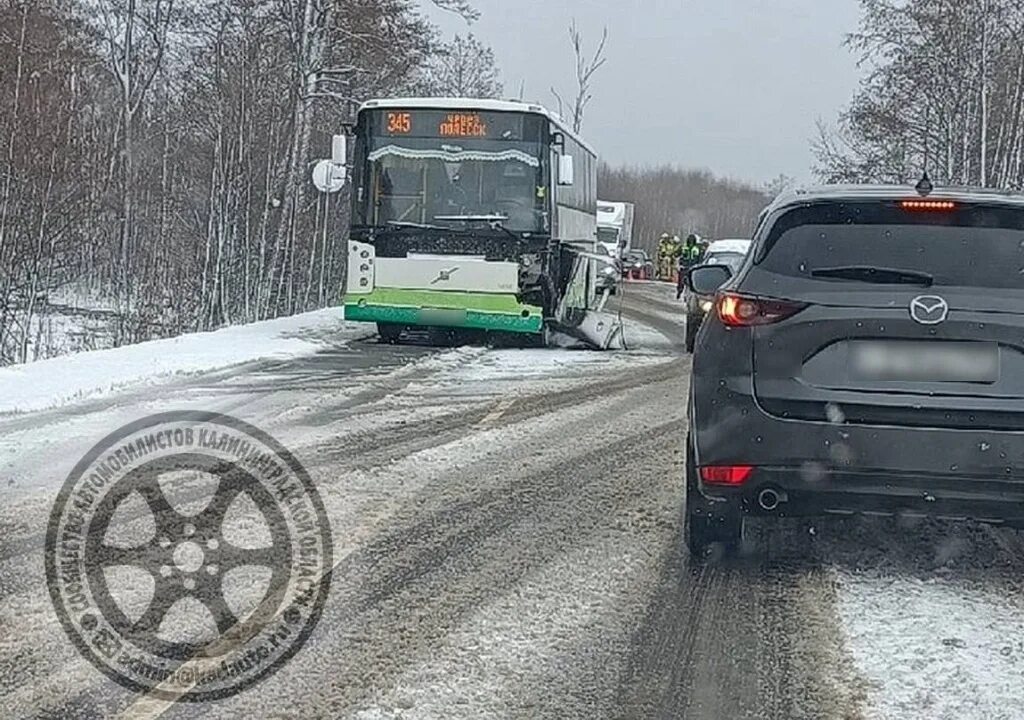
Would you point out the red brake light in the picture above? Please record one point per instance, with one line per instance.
(726, 474)
(743, 311)
(928, 205)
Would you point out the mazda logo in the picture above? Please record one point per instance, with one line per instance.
(929, 309)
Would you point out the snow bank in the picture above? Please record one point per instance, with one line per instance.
(43, 384)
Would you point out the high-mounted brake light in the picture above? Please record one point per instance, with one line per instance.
(744, 311)
(928, 205)
(726, 474)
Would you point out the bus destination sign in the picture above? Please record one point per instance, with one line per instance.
(446, 125)
(462, 125)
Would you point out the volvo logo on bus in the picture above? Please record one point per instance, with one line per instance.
(929, 309)
(444, 276)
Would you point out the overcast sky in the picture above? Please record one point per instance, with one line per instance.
(734, 86)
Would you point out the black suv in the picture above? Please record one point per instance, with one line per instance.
(867, 357)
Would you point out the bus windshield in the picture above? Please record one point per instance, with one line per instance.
(450, 169)
(445, 184)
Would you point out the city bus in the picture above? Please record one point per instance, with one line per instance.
(473, 217)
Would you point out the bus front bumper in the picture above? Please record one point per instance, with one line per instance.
(480, 311)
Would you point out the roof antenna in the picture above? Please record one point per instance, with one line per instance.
(924, 186)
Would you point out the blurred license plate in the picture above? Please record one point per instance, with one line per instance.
(441, 316)
(926, 361)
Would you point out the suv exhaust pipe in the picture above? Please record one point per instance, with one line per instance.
(769, 499)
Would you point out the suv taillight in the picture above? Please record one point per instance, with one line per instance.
(726, 474)
(744, 310)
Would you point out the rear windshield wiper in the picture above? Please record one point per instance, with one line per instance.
(880, 275)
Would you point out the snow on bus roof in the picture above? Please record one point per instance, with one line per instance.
(477, 104)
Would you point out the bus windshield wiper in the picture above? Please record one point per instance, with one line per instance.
(418, 226)
(880, 275)
(472, 218)
(495, 221)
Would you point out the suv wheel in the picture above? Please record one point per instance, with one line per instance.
(691, 332)
(706, 528)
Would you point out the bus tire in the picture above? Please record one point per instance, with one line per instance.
(389, 332)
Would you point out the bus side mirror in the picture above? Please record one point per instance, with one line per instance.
(339, 150)
(566, 170)
(330, 176)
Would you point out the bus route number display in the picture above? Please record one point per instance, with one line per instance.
(399, 123)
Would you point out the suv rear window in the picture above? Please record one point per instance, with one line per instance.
(972, 246)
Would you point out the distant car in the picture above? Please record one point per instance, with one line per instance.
(868, 357)
(638, 265)
(730, 253)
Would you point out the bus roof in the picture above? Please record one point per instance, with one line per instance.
(477, 104)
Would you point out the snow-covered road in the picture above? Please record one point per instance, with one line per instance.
(507, 544)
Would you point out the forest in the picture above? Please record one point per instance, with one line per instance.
(681, 201)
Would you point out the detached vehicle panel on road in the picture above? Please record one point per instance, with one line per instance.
(869, 358)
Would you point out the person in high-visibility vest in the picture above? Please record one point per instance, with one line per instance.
(690, 255)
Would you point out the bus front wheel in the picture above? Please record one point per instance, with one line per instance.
(389, 332)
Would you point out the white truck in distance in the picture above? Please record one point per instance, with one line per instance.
(615, 226)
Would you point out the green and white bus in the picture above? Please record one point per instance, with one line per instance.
(473, 216)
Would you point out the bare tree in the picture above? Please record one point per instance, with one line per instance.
(779, 184)
(964, 124)
(135, 33)
(585, 71)
(460, 7)
(464, 67)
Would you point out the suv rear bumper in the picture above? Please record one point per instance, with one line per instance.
(819, 468)
(804, 491)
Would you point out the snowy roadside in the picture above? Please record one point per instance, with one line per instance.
(53, 382)
(938, 642)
